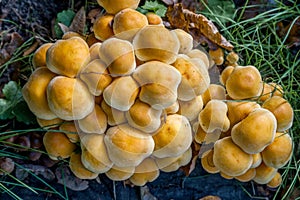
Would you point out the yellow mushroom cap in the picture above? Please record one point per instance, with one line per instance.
(214, 91)
(117, 173)
(94, 154)
(185, 39)
(207, 163)
(94, 51)
(264, 174)
(173, 138)
(225, 74)
(155, 42)
(127, 146)
(146, 171)
(279, 152)
(121, 93)
(127, 23)
(180, 161)
(194, 77)
(255, 132)
(239, 110)
(192, 108)
(143, 117)
(51, 123)
(95, 122)
(78, 169)
(69, 98)
(70, 130)
(282, 110)
(58, 145)
(114, 116)
(244, 82)
(158, 82)
(96, 76)
(247, 176)
(35, 93)
(67, 57)
(257, 159)
(39, 56)
(197, 53)
(114, 6)
(103, 27)
(276, 181)
(154, 19)
(119, 57)
(230, 158)
(214, 116)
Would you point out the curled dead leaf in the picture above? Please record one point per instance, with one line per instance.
(197, 25)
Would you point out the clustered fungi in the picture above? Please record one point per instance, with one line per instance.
(136, 101)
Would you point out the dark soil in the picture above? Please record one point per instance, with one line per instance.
(35, 18)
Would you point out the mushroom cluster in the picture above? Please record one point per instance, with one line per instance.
(246, 121)
(137, 98)
(128, 100)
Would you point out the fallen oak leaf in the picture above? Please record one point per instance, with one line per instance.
(196, 23)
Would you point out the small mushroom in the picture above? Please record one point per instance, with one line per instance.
(94, 51)
(95, 122)
(114, 6)
(127, 23)
(51, 123)
(232, 58)
(264, 174)
(239, 110)
(217, 55)
(276, 181)
(143, 117)
(67, 57)
(155, 42)
(255, 132)
(197, 53)
(94, 155)
(181, 160)
(191, 109)
(146, 171)
(173, 138)
(230, 158)
(282, 111)
(58, 145)
(69, 128)
(39, 56)
(154, 19)
(69, 98)
(195, 78)
(247, 176)
(158, 82)
(78, 169)
(185, 39)
(95, 75)
(127, 146)
(214, 91)
(269, 90)
(244, 83)
(114, 116)
(214, 117)
(207, 163)
(121, 93)
(120, 173)
(35, 93)
(119, 57)
(102, 27)
(279, 152)
(225, 74)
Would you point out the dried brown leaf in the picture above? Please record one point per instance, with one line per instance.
(22, 173)
(65, 177)
(9, 44)
(192, 164)
(196, 24)
(31, 49)
(78, 22)
(94, 14)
